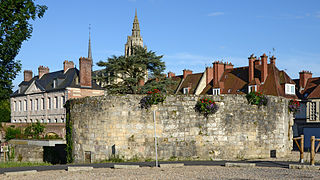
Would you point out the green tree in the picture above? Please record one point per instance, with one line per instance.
(5, 112)
(14, 29)
(128, 71)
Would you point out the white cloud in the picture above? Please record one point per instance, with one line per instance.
(216, 14)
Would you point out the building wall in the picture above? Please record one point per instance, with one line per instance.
(43, 107)
(108, 125)
(79, 93)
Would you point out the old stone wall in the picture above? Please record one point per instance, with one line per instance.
(108, 125)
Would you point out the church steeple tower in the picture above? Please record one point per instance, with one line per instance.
(135, 28)
(135, 39)
(89, 45)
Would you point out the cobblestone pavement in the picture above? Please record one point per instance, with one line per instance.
(186, 172)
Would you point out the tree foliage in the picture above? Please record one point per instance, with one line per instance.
(14, 29)
(124, 73)
(5, 112)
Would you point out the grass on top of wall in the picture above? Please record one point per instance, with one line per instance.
(22, 164)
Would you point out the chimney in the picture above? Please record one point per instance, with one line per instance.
(218, 69)
(273, 60)
(257, 62)
(209, 75)
(171, 74)
(85, 72)
(186, 72)
(67, 65)
(42, 71)
(228, 66)
(304, 76)
(264, 68)
(251, 67)
(27, 75)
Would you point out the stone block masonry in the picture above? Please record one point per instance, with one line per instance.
(107, 125)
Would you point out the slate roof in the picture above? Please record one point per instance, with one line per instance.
(236, 81)
(45, 83)
(312, 89)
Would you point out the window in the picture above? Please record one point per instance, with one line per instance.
(56, 102)
(252, 88)
(20, 106)
(31, 105)
(290, 89)
(313, 111)
(36, 107)
(54, 84)
(216, 91)
(62, 101)
(185, 90)
(25, 105)
(43, 104)
(49, 103)
(14, 106)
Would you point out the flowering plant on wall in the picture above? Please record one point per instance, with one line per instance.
(294, 106)
(153, 97)
(206, 106)
(257, 98)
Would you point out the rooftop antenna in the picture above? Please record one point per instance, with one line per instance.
(273, 51)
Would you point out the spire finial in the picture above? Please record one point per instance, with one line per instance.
(89, 46)
(136, 13)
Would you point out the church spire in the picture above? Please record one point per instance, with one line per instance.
(136, 28)
(89, 46)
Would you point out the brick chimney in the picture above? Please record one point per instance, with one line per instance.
(218, 69)
(85, 72)
(42, 71)
(27, 75)
(264, 68)
(171, 74)
(304, 76)
(67, 65)
(273, 60)
(228, 66)
(186, 72)
(251, 67)
(209, 74)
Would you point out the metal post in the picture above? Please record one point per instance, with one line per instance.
(155, 136)
(312, 153)
(302, 148)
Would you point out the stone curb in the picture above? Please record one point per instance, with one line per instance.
(174, 165)
(248, 165)
(79, 168)
(301, 166)
(20, 172)
(116, 166)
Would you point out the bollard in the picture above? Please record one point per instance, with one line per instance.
(312, 153)
(302, 149)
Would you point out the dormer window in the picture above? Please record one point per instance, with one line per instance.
(290, 89)
(216, 91)
(185, 90)
(252, 88)
(54, 84)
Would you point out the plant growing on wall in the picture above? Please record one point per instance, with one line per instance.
(206, 106)
(153, 97)
(257, 98)
(69, 147)
(294, 106)
(35, 130)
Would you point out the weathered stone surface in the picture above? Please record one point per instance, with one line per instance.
(20, 173)
(240, 164)
(118, 166)
(172, 165)
(116, 124)
(302, 166)
(79, 168)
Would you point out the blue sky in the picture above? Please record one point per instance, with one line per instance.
(190, 34)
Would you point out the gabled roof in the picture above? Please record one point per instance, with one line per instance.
(312, 89)
(236, 81)
(45, 83)
(191, 81)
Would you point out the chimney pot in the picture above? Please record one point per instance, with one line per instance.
(264, 69)
(273, 60)
(304, 76)
(251, 67)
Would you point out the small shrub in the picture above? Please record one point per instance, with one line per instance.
(294, 106)
(257, 98)
(12, 133)
(206, 106)
(153, 97)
